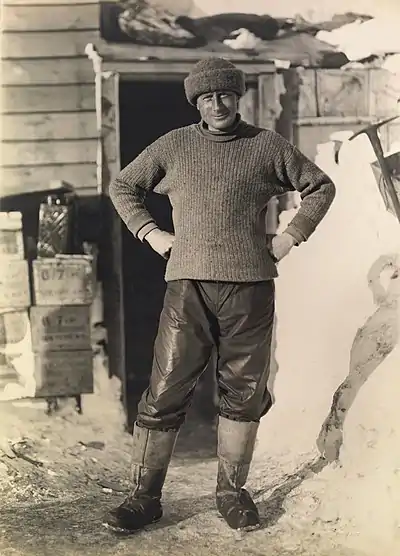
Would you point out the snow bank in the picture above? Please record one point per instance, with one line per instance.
(360, 40)
(323, 299)
(325, 9)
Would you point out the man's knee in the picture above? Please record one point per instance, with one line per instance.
(161, 412)
(252, 408)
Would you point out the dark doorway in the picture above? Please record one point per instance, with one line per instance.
(147, 111)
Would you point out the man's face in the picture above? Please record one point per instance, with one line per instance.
(219, 109)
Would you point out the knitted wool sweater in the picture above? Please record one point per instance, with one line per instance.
(219, 186)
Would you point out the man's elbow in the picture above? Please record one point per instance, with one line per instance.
(330, 191)
(117, 191)
(113, 189)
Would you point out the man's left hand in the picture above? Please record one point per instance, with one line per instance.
(281, 245)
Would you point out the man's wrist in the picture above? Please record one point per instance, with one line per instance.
(150, 233)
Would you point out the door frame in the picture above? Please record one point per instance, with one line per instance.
(257, 107)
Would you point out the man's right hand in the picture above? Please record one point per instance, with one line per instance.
(161, 242)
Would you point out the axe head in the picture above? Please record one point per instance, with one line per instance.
(372, 128)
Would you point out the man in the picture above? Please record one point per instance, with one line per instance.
(219, 175)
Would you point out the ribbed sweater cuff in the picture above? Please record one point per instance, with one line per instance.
(137, 221)
(143, 232)
(300, 228)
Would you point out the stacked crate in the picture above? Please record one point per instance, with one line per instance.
(60, 322)
(45, 306)
(16, 365)
(62, 298)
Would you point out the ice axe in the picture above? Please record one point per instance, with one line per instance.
(372, 132)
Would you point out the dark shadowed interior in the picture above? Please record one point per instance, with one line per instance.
(147, 111)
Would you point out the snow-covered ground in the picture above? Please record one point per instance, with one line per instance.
(79, 467)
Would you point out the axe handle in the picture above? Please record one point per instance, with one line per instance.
(387, 177)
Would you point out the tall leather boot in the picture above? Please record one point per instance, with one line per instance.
(152, 452)
(236, 442)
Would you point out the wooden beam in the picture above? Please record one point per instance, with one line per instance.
(15, 46)
(249, 105)
(48, 152)
(284, 125)
(334, 120)
(47, 72)
(131, 51)
(166, 67)
(111, 242)
(50, 18)
(270, 89)
(160, 59)
(306, 101)
(110, 131)
(22, 178)
(28, 127)
(52, 98)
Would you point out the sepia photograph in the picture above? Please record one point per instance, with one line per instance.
(199, 278)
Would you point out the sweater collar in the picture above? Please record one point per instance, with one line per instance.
(236, 130)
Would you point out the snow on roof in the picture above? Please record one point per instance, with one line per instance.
(360, 40)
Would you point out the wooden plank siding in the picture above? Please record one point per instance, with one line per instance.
(36, 153)
(38, 99)
(39, 126)
(17, 45)
(47, 71)
(48, 128)
(52, 17)
(19, 178)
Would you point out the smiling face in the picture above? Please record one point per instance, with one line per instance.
(219, 109)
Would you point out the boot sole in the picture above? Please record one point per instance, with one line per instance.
(245, 529)
(126, 532)
(249, 528)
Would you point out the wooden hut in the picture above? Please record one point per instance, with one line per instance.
(78, 114)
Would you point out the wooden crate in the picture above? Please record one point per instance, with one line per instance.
(305, 102)
(11, 237)
(270, 89)
(368, 92)
(46, 374)
(63, 373)
(384, 93)
(342, 92)
(60, 328)
(14, 284)
(63, 280)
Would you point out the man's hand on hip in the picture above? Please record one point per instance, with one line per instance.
(281, 245)
(161, 242)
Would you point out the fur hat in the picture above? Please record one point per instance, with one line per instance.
(213, 74)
